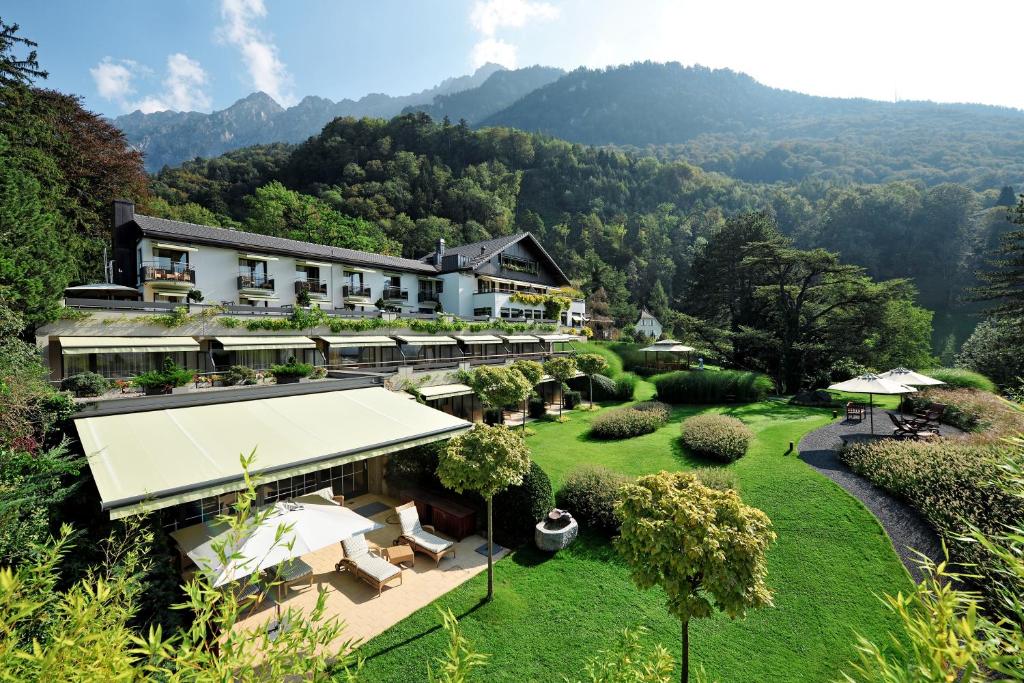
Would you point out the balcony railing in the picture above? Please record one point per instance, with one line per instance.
(355, 291)
(395, 294)
(428, 297)
(314, 287)
(517, 265)
(172, 273)
(250, 280)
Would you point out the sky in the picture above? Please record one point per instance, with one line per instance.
(201, 55)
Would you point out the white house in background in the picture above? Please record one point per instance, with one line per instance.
(648, 325)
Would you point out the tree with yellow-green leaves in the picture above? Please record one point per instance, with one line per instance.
(563, 369)
(703, 546)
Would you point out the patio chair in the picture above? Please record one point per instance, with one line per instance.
(357, 558)
(419, 537)
(901, 428)
(855, 410)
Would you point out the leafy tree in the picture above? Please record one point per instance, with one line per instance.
(533, 372)
(703, 546)
(591, 364)
(562, 368)
(1004, 280)
(902, 337)
(499, 386)
(488, 460)
(657, 302)
(994, 349)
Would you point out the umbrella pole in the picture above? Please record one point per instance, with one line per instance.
(871, 408)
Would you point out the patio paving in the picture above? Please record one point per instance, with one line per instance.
(355, 602)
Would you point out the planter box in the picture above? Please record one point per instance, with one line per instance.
(288, 379)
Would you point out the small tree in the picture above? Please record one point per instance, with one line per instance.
(562, 369)
(487, 460)
(704, 547)
(498, 387)
(591, 364)
(534, 373)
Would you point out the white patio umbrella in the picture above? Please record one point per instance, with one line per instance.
(315, 523)
(872, 384)
(910, 378)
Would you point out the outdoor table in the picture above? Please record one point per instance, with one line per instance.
(397, 554)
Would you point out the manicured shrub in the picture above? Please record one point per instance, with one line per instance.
(625, 386)
(536, 408)
(572, 399)
(239, 375)
(627, 422)
(604, 388)
(663, 410)
(589, 493)
(291, 370)
(85, 384)
(170, 375)
(960, 378)
(954, 484)
(716, 436)
(718, 478)
(519, 508)
(987, 415)
(494, 416)
(710, 386)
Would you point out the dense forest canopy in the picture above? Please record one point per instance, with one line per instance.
(614, 219)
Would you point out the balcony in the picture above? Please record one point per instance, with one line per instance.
(255, 281)
(395, 294)
(355, 292)
(164, 273)
(315, 288)
(517, 265)
(429, 297)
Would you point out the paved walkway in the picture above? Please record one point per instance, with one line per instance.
(907, 530)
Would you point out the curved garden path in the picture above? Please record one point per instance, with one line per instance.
(909, 532)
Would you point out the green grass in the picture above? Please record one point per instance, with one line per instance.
(613, 359)
(550, 614)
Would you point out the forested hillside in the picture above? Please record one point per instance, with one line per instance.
(629, 224)
(726, 121)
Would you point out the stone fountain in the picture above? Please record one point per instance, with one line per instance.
(556, 531)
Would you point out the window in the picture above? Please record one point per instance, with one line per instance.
(253, 273)
(485, 310)
(170, 258)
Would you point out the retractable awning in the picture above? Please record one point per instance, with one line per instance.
(156, 459)
(255, 343)
(444, 391)
(72, 346)
(557, 337)
(520, 338)
(477, 339)
(425, 340)
(356, 341)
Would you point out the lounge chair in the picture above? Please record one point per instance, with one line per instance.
(357, 558)
(419, 537)
(901, 429)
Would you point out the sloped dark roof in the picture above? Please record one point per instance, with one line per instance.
(205, 234)
(479, 253)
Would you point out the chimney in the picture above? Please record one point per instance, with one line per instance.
(439, 252)
(124, 212)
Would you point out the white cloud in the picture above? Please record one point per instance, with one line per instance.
(267, 71)
(183, 86)
(487, 16)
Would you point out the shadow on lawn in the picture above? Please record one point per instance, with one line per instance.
(433, 629)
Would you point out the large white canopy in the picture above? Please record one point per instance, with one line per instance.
(872, 384)
(439, 391)
(156, 459)
(306, 524)
(910, 378)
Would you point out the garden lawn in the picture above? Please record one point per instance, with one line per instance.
(550, 614)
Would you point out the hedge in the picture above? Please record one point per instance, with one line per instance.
(716, 436)
(712, 386)
(629, 421)
(519, 508)
(589, 494)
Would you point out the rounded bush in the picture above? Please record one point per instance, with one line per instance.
(589, 493)
(518, 508)
(716, 436)
(535, 407)
(661, 409)
(85, 384)
(960, 378)
(572, 399)
(625, 386)
(711, 386)
(628, 421)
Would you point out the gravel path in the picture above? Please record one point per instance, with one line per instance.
(906, 528)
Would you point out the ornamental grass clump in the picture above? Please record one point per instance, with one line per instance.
(629, 421)
(719, 437)
(709, 386)
(987, 416)
(960, 378)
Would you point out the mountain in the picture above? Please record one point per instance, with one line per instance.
(727, 121)
(167, 138)
(500, 90)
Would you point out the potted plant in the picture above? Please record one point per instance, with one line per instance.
(195, 296)
(291, 372)
(165, 380)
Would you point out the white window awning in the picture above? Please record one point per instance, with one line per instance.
(520, 338)
(160, 458)
(255, 343)
(440, 391)
(477, 339)
(557, 337)
(356, 341)
(72, 346)
(175, 247)
(424, 340)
